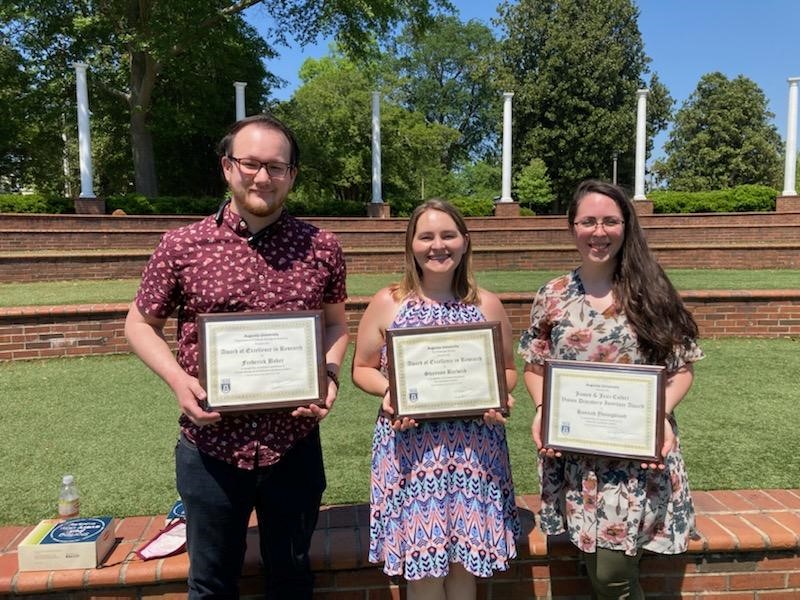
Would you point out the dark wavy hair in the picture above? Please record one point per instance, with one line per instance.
(263, 120)
(653, 306)
(464, 286)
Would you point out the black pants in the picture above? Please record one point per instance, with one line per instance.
(614, 575)
(219, 499)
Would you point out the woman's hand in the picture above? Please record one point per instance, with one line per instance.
(386, 404)
(403, 424)
(666, 448)
(495, 417)
(536, 433)
(397, 424)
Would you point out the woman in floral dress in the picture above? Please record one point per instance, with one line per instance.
(618, 306)
(442, 508)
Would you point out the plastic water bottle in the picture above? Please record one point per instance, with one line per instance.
(69, 502)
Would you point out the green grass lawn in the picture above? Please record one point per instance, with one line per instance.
(112, 423)
(358, 284)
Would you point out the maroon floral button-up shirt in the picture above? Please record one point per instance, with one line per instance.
(204, 268)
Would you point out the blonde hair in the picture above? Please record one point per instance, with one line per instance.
(464, 286)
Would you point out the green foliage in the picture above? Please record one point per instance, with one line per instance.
(533, 186)
(446, 74)
(473, 206)
(140, 63)
(722, 138)
(744, 198)
(34, 203)
(138, 204)
(167, 67)
(482, 179)
(300, 206)
(574, 67)
(330, 114)
(12, 123)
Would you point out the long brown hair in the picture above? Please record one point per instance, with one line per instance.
(653, 306)
(464, 286)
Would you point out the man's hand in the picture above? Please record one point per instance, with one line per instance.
(315, 411)
(191, 399)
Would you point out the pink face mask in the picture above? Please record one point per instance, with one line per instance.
(170, 540)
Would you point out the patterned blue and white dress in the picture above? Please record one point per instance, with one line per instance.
(441, 492)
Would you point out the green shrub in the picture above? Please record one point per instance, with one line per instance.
(325, 207)
(35, 203)
(744, 198)
(473, 206)
(136, 204)
(753, 198)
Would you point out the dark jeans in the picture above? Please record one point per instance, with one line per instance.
(219, 499)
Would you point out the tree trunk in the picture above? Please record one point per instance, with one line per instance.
(144, 164)
(144, 71)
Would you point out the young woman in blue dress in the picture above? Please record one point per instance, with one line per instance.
(442, 509)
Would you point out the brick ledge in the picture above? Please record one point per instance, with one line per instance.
(740, 521)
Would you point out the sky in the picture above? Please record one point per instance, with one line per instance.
(685, 39)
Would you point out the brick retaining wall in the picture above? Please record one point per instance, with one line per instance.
(51, 331)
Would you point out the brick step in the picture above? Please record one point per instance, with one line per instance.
(524, 235)
(65, 265)
(747, 542)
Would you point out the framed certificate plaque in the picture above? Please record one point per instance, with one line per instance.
(258, 361)
(606, 409)
(446, 372)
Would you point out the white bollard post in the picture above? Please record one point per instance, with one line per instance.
(641, 143)
(84, 134)
(376, 148)
(790, 166)
(239, 85)
(505, 195)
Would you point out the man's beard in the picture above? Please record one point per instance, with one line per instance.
(259, 207)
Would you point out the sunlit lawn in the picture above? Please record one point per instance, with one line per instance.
(358, 284)
(112, 423)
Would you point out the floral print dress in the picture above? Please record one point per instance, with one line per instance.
(607, 502)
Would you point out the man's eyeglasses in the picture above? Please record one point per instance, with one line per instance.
(590, 223)
(251, 167)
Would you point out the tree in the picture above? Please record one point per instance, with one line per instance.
(533, 186)
(446, 74)
(131, 43)
(330, 114)
(722, 138)
(12, 90)
(574, 67)
(482, 179)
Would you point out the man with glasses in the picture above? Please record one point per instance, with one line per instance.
(251, 256)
